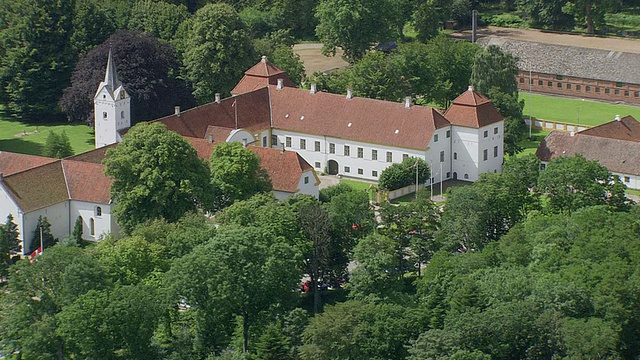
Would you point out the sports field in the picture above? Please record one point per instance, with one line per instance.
(20, 137)
(575, 111)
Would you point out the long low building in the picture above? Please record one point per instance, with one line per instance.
(614, 145)
(574, 71)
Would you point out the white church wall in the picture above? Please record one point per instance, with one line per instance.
(58, 217)
(308, 184)
(8, 206)
(99, 213)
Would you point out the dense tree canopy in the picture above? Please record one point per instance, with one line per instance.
(147, 69)
(35, 55)
(216, 50)
(156, 174)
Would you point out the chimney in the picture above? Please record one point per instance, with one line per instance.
(264, 58)
(349, 93)
(407, 102)
(314, 89)
(217, 98)
(617, 117)
(244, 142)
(177, 110)
(280, 84)
(470, 87)
(210, 138)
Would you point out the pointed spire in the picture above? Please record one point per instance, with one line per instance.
(111, 75)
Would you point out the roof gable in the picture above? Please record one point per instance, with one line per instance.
(38, 187)
(616, 155)
(627, 128)
(11, 163)
(471, 109)
(285, 168)
(260, 75)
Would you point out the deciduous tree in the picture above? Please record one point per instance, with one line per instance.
(236, 174)
(156, 174)
(575, 182)
(216, 50)
(352, 25)
(138, 58)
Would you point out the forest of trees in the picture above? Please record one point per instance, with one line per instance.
(52, 54)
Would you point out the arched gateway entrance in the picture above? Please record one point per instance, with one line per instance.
(333, 167)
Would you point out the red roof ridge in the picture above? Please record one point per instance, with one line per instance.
(264, 69)
(471, 98)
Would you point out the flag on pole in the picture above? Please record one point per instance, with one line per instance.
(36, 252)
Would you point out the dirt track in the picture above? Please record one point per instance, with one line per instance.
(593, 42)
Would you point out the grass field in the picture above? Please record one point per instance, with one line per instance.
(575, 111)
(25, 138)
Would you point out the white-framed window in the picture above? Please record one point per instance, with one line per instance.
(627, 179)
(306, 179)
(332, 148)
(486, 133)
(98, 211)
(435, 138)
(455, 156)
(374, 154)
(374, 173)
(287, 141)
(389, 156)
(347, 150)
(274, 140)
(485, 154)
(495, 130)
(317, 165)
(405, 157)
(495, 151)
(360, 152)
(303, 144)
(92, 226)
(121, 114)
(360, 171)
(442, 156)
(448, 134)
(104, 115)
(347, 169)
(317, 146)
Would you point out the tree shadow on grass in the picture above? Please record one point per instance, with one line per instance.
(21, 146)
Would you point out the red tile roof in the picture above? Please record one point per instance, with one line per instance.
(12, 162)
(260, 75)
(616, 155)
(252, 114)
(93, 156)
(358, 119)
(38, 187)
(473, 110)
(284, 167)
(86, 181)
(203, 147)
(628, 128)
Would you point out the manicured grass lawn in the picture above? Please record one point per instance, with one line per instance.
(21, 137)
(575, 111)
(356, 185)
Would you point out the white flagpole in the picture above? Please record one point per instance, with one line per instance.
(41, 240)
(440, 179)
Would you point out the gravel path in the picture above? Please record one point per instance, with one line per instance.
(593, 42)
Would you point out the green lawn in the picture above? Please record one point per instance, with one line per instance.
(575, 111)
(21, 137)
(356, 185)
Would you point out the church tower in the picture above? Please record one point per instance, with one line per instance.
(112, 108)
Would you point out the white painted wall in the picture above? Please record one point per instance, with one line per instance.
(350, 165)
(494, 138)
(8, 206)
(103, 224)
(308, 184)
(465, 153)
(118, 115)
(58, 217)
(240, 135)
